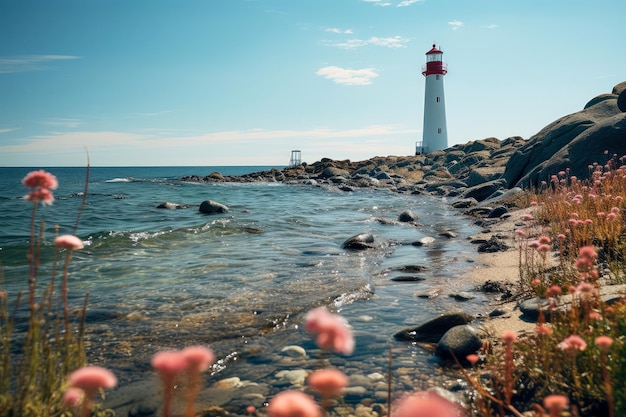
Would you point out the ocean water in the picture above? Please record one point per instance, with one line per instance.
(240, 281)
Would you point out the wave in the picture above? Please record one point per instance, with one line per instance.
(129, 179)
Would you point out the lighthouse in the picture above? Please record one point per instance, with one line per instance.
(435, 133)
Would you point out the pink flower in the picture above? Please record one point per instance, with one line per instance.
(293, 403)
(572, 344)
(587, 252)
(328, 382)
(604, 343)
(40, 179)
(250, 409)
(544, 239)
(509, 337)
(555, 404)
(169, 363)
(73, 397)
(69, 242)
(198, 357)
(426, 404)
(472, 358)
(91, 378)
(554, 291)
(543, 329)
(42, 195)
(333, 332)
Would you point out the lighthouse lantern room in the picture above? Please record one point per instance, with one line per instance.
(435, 133)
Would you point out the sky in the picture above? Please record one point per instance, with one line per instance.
(244, 82)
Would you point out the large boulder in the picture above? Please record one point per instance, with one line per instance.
(571, 143)
(459, 341)
(434, 329)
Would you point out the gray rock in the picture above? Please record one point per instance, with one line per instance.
(493, 245)
(463, 296)
(530, 308)
(497, 212)
(434, 329)
(171, 206)
(621, 101)
(483, 191)
(212, 207)
(361, 241)
(425, 241)
(407, 216)
(459, 341)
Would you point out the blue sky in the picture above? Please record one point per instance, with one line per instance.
(243, 82)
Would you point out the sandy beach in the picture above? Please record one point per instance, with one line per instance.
(502, 267)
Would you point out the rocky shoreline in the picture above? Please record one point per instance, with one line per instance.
(483, 178)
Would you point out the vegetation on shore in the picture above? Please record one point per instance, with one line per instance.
(575, 363)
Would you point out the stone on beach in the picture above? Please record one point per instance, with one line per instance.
(459, 341)
(361, 241)
(434, 329)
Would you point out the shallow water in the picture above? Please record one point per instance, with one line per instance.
(241, 281)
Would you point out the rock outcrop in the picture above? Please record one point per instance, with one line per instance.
(479, 171)
(572, 143)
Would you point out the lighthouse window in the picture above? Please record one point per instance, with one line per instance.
(437, 76)
(437, 99)
(439, 130)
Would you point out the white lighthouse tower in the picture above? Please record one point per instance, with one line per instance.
(435, 133)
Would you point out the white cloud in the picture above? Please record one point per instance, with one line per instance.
(492, 26)
(7, 130)
(381, 3)
(405, 3)
(390, 42)
(337, 30)
(348, 76)
(24, 63)
(167, 148)
(455, 24)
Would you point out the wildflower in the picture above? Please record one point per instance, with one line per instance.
(426, 404)
(611, 216)
(543, 329)
(250, 409)
(509, 337)
(528, 217)
(585, 290)
(472, 358)
(587, 252)
(604, 343)
(554, 291)
(535, 282)
(69, 242)
(594, 315)
(198, 357)
(73, 397)
(555, 404)
(332, 330)
(572, 344)
(40, 179)
(92, 378)
(520, 232)
(169, 363)
(328, 382)
(293, 403)
(533, 203)
(42, 195)
(544, 248)
(544, 240)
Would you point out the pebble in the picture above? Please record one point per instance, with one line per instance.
(294, 351)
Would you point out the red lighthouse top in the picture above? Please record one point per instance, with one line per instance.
(434, 63)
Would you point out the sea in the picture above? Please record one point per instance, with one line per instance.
(239, 282)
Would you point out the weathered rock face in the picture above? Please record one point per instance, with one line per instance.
(459, 341)
(572, 142)
(359, 242)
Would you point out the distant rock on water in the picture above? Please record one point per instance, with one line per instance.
(478, 171)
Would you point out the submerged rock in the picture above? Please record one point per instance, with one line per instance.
(361, 241)
(212, 207)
